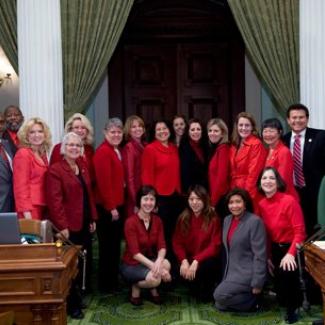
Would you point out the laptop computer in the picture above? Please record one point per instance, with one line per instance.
(9, 228)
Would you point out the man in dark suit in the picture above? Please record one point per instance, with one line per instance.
(14, 119)
(7, 203)
(312, 143)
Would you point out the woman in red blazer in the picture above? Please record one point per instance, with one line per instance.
(131, 159)
(30, 165)
(285, 227)
(71, 206)
(279, 155)
(219, 166)
(109, 192)
(196, 243)
(144, 264)
(247, 155)
(80, 125)
(161, 169)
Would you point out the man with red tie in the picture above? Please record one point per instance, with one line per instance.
(307, 146)
(14, 119)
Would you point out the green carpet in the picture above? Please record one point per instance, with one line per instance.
(179, 309)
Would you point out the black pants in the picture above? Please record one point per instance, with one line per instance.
(286, 283)
(109, 235)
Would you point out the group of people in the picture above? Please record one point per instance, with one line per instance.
(187, 198)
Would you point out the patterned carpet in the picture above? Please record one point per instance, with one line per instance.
(178, 309)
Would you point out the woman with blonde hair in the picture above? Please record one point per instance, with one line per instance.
(29, 168)
(219, 166)
(247, 155)
(79, 124)
(134, 131)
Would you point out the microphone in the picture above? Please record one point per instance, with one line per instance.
(319, 234)
(81, 253)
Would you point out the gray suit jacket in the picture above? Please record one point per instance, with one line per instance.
(7, 203)
(246, 256)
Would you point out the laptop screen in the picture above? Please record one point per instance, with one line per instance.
(9, 228)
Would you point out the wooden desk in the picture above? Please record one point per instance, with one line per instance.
(315, 263)
(35, 281)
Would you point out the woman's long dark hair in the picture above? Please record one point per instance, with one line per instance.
(207, 213)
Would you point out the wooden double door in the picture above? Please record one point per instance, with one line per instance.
(166, 73)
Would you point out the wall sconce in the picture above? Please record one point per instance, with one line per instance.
(5, 79)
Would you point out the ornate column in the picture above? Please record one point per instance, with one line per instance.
(40, 62)
(312, 60)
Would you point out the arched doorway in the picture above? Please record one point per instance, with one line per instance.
(178, 56)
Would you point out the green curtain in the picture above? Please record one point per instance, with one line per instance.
(8, 31)
(90, 32)
(270, 29)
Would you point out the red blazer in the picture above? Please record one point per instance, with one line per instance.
(65, 196)
(140, 240)
(29, 180)
(281, 159)
(131, 160)
(219, 173)
(160, 168)
(199, 243)
(109, 174)
(246, 163)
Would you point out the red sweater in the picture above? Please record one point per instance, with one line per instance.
(132, 157)
(246, 163)
(140, 240)
(109, 190)
(283, 220)
(199, 243)
(219, 169)
(281, 159)
(160, 168)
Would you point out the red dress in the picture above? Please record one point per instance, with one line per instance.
(29, 183)
(281, 159)
(131, 160)
(246, 163)
(160, 168)
(198, 243)
(219, 169)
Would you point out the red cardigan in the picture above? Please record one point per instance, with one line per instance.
(65, 196)
(140, 240)
(29, 180)
(160, 168)
(219, 173)
(131, 160)
(281, 159)
(109, 177)
(246, 163)
(283, 220)
(199, 243)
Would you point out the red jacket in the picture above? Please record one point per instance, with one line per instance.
(29, 180)
(283, 219)
(65, 196)
(281, 159)
(246, 163)
(131, 160)
(160, 168)
(109, 177)
(140, 240)
(199, 243)
(219, 173)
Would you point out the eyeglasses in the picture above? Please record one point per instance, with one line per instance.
(73, 145)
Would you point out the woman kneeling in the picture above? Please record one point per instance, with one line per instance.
(144, 264)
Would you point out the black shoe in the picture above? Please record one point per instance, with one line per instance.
(76, 314)
(291, 317)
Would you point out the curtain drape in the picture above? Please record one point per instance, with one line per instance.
(90, 32)
(270, 30)
(8, 31)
